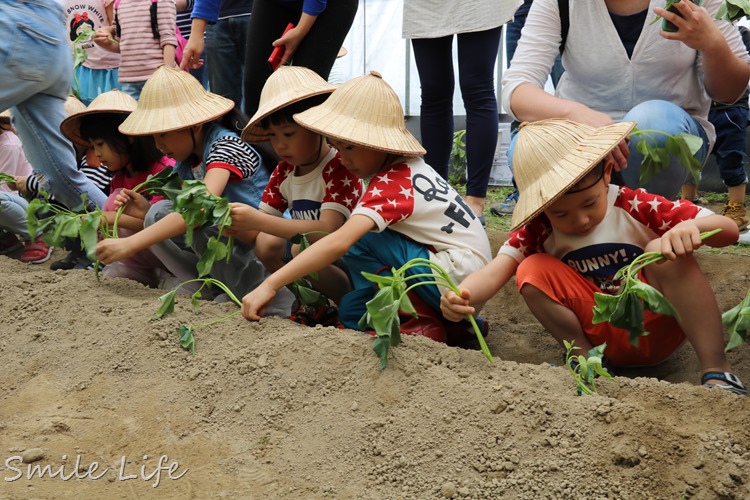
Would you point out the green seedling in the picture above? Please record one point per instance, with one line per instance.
(187, 339)
(625, 309)
(382, 310)
(733, 10)
(7, 179)
(585, 369)
(683, 146)
(164, 183)
(199, 207)
(737, 323)
(63, 223)
(457, 172)
(79, 57)
(302, 288)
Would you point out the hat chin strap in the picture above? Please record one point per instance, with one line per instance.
(317, 156)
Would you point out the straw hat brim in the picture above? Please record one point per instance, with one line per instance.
(332, 124)
(544, 191)
(253, 132)
(5, 114)
(71, 126)
(159, 121)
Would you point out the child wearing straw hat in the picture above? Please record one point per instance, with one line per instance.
(571, 232)
(407, 210)
(309, 181)
(198, 129)
(130, 160)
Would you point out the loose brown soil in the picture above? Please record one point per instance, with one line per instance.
(275, 410)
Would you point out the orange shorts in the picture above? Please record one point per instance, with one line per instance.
(568, 288)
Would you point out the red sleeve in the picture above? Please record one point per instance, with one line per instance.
(391, 194)
(272, 194)
(656, 212)
(342, 187)
(530, 238)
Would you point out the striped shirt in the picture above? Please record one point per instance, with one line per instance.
(233, 154)
(140, 52)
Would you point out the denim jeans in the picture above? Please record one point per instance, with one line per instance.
(36, 73)
(731, 125)
(13, 214)
(655, 115)
(133, 89)
(225, 53)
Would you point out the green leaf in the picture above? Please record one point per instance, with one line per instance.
(195, 300)
(653, 300)
(381, 346)
(737, 323)
(605, 306)
(382, 280)
(89, 234)
(187, 340)
(167, 304)
(215, 250)
(406, 306)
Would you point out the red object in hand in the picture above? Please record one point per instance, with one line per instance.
(278, 52)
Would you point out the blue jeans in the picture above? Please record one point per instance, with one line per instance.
(477, 53)
(655, 115)
(370, 254)
(225, 53)
(13, 214)
(133, 89)
(731, 139)
(36, 71)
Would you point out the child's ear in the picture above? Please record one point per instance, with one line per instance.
(608, 168)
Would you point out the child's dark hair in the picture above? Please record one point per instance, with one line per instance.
(286, 114)
(588, 180)
(141, 149)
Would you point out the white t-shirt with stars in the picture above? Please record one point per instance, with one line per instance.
(634, 218)
(330, 186)
(412, 199)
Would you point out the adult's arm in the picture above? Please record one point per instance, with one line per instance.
(723, 56)
(311, 9)
(204, 12)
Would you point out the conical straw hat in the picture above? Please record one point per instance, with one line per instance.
(173, 99)
(114, 101)
(73, 105)
(285, 86)
(5, 114)
(364, 111)
(551, 156)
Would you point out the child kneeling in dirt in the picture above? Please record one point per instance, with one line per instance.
(309, 181)
(407, 210)
(571, 232)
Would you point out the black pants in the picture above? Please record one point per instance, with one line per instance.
(317, 51)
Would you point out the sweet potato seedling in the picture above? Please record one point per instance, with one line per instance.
(737, 323)
(302, 288)
(187, 339)
(164, 183)
(683, 146)
(585, 369)
(625, 309)
(733, 10)
(382, 310)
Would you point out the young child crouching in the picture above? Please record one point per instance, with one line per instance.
(309, 181)
(407, 210)
(568, 217)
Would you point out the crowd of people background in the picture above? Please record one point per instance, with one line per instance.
(338, 164)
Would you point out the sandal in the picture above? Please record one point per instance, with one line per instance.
(732, 382)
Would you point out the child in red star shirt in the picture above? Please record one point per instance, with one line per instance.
(309, 181)
(572, 231)
(407, 210)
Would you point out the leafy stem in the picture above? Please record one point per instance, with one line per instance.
(683, 146)
(585, 369)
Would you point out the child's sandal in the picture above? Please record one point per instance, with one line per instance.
(732, 382)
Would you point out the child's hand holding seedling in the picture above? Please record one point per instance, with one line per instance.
(136, 205)
(244, 218)
(456, 307)
(254, 303)
(114, 249)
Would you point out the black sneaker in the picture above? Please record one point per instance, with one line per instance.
(85, 263)
(68, 262)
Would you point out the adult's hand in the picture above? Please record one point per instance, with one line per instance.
(584, 114)
(695, 27)
(191, 54)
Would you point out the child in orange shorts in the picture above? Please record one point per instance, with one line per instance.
(571, 232)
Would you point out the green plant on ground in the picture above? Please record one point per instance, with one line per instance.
(54, 223)
(457, 170)
(585, 369)
(302, 288)
(187, 338)
(737, 323)
(625, 309)
(392, 296)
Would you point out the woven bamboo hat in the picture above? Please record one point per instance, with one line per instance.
(285, 86)
(551, 156)
(73, 105)
(114, 101)
(173, 99)
(364, 111)
(5, 114)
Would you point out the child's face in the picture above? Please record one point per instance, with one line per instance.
(580, 212)
(113, 160)
(177, 144)
(295, 144)
(361, 161)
